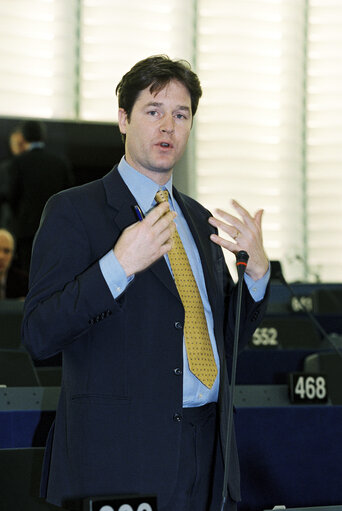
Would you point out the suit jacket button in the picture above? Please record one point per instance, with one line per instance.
(177, 417)
(255, 316)
(178, 325)
(178, 371)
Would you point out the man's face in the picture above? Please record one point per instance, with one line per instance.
(6, 252)
(17, 143)
(158, 130)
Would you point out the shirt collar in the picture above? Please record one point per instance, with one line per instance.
(142, 187)
(36, 145)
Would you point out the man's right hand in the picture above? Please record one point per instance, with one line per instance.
(142, 243)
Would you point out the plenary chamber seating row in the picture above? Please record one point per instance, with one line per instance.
(16, 367)
(28, 399)
(18, 370)
(20, 471)
(290, 454)
(289, 340)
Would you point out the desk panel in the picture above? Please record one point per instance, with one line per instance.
(289, 454)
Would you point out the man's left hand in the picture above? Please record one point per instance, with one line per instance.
(246, 234)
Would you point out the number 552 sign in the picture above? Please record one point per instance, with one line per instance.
(121, 503)
(307, 388)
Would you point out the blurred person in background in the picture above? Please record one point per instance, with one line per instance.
(13, 282)
(17, 142)
(35, 174)
(16, 145)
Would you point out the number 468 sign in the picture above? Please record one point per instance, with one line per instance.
(307, 388)
(121, 503)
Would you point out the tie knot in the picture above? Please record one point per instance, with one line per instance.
(162, 196)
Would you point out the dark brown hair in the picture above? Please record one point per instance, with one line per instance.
(156, 72)
(32, 131)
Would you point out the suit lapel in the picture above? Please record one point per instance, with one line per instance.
(121, 201)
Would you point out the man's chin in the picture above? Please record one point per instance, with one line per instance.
(162, 170)
(163, 164)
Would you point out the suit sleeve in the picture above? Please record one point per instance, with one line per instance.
(68, 295)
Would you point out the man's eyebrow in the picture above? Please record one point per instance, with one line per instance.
(181, 107)
(153, 103)
(157, 104)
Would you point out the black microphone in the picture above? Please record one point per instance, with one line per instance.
(241, 262)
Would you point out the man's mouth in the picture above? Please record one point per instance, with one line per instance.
(165, 145)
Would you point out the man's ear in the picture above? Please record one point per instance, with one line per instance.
(122, 119)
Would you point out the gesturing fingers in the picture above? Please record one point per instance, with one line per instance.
(246, 235)
(258, 217)
(248, 226)
(165, 227)
(142, 243)
(161, 222)
(155, 214)
(230, 225)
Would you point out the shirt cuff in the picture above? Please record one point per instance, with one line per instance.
(114, 274)
(257, 288)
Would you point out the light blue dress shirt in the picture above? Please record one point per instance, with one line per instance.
(144, 191)
(36, 145)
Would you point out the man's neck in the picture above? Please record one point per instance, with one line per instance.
(159, 177)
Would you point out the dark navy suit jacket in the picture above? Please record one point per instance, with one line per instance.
(116, 427)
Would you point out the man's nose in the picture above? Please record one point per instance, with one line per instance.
(167, 125)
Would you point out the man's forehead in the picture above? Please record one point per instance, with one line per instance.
(6, 240)
(166, 92)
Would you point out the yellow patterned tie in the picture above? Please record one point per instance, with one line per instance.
(198, 346)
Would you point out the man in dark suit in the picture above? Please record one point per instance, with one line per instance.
(13, 282)
(16, 144)
(135, 415)
(35, 174)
